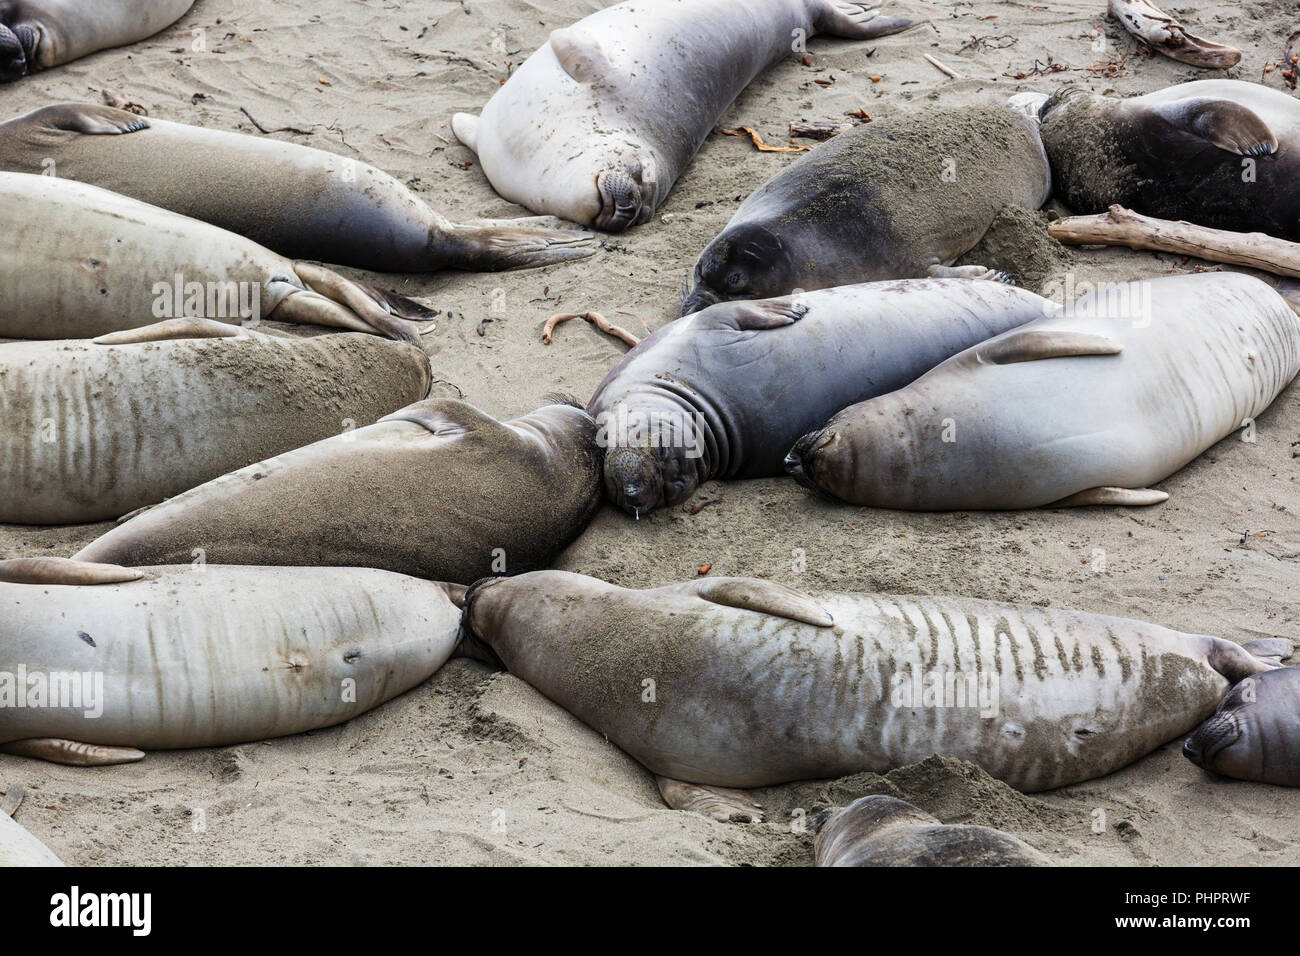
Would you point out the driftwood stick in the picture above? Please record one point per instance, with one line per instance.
(596, 319)
(948, 71)
(1162, 32)
(1123, 227)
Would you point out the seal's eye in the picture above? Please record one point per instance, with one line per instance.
(735, 280)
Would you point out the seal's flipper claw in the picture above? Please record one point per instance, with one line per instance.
(71, 753)
(1229, 126)
(1122, 497)
(763, 597)
(89, 119)
(723, 805)
(857, 21)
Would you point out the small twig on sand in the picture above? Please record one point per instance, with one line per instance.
(941, 68)
(596, 319)
(1123, 227)
(282, 129)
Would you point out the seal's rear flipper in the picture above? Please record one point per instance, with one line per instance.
(71, 753)
(1228, 125)
(465, 127)
(91, 120)
(64, 571)
(856, 21)
(764, 597)
(1272, 649)
(1234, 661)
(1124, 497)
(723, 805)
(319, 296)
(496, 245)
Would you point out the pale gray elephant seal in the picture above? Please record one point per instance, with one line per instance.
(1220, 153)
(93, 429)
(885, 831)
(438, 490)
(82, 261)
(38, 34)
(898, 198)
(1092, 406)
(17, 846)
(1256, 733)
(98, 660)
(724, 393)
(734, 682)
(597, 125)
(300, 202)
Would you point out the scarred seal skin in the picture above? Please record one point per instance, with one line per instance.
(1255, 735)
(724, 393)
(1091, 406)
(438, 489)
(206, 656)
(885, 831)
(301, 202)
(93, 429)
(897, 198)
(39, 34)
(597, 125)
(734, 682)
(1220, 153)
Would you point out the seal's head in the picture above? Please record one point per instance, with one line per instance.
(17, 51)
(745, 262)
(1222, 745)
(476, 624)
(804, 465)
(642, 479)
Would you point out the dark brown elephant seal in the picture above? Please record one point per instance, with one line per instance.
(885, 831)
(899, 198)
(437, 490)
(1256, 733)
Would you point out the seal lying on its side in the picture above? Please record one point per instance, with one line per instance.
(1092, 406)
(438, 490)
(1256, 733)
(300, 202)
(885, 831)
(94, 429)
(81, 261)
(597, 125)
(208, 656)
(38, 34)
(1220, 153)
(756, 684)
(724, 393)
(898, 198)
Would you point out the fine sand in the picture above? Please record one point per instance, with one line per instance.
(475, 767)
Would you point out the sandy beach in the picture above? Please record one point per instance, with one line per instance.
(475, 767)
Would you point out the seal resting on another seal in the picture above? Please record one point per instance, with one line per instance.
(1255, 735)
(300, 202)
(898, 198)
(597, 125)
(756, 684)
(38, 34)
(1091, 406)
(94, 429)
(724, 393)
(438, 490)
(82, 261)
(208, 656)
(1220, 153)
(885, 831)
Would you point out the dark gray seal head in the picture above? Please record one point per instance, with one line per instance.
(748, 261)
(1255, 734)
(17, 50)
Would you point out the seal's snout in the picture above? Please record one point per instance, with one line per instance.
(14, 52)
(633, 480)
(473, 623)
(621, 203)
(699, 299)
(1211, 739)
(797, 461)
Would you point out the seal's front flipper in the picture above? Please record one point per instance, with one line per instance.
(765, 597)
(856, 21)
(1039, 344)
(723, 805)
(1124, 497)
(768, 314)
(1228, 125)
(445, 417)
(1272, 649)
(968, 272)
(71, 753)
(465, 126)
(191, 327)
(64, 571)
(580, 54)
(91, 120)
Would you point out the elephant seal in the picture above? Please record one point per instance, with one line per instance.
(17, 846)
(93, 429)
(735, 682)
(438, 490)
(899, 198)
(301, 202)
(84, 261)
(724, 393)
(1090, 407)
(597, 125)
(1220, 153)
(885, 831)
(1255, 735)
(38, 34)
(170, 658)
